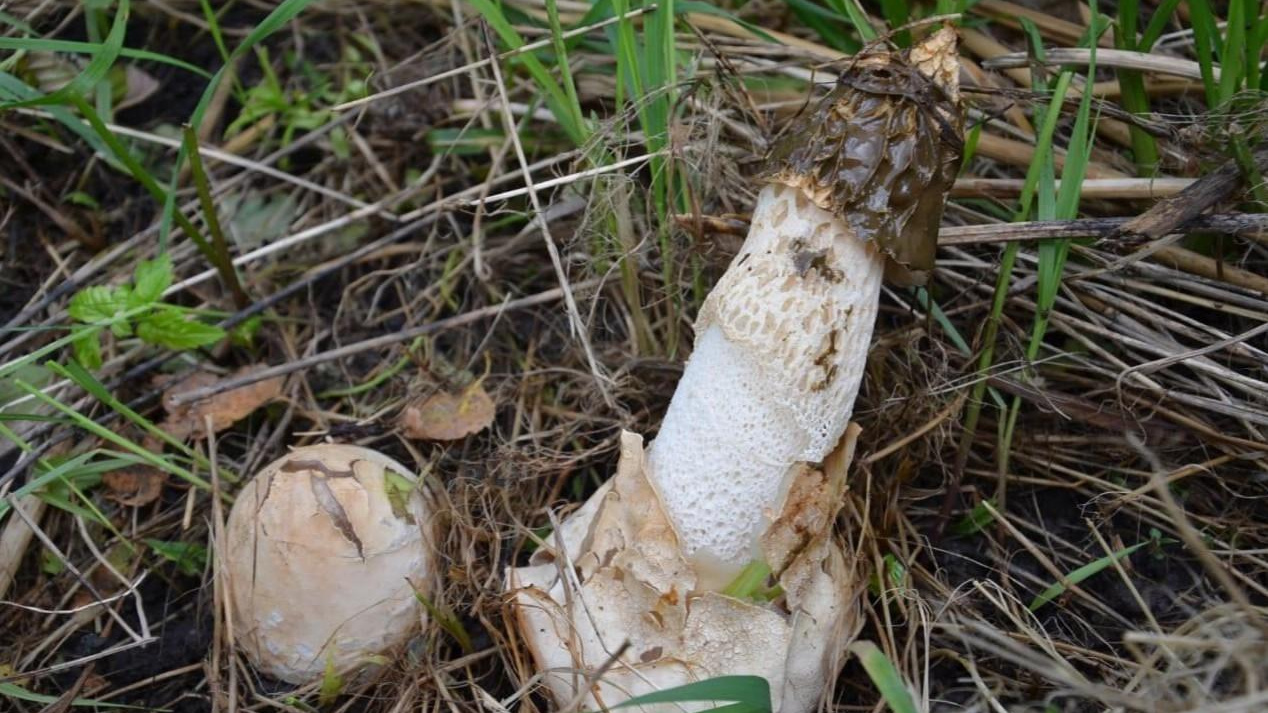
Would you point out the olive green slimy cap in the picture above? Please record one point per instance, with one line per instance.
(882, 149)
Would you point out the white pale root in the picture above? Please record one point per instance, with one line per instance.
(780, 350)
(320, 550)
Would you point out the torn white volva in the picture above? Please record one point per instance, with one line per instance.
(780, 350)
(613, 573)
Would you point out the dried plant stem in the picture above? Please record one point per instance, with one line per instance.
(1124, 59)
(16, 537)
(1250, 225)
(379, 342)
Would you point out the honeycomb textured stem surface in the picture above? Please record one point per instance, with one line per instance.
(780, 350)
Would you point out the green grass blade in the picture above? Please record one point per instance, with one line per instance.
(885, 677)
(134, 167)
(14, 89)
(1144, 148)
(750, 582)
(851, 11)
(36, 44)
(94, 72)
(556, 98)
(704, 8)
(106, 434)
(1157, 24)
(1082, 573)
(1207, 44)
(18, 693)
(1233, 60)
(95, 21)
(282, 14)
(572, 103)
(20, 25)
(982, 515)
(89, 383)
(897, 13)
(748, 694)
(218, 253)
(1053, 253)
(217, 35)
(1257, 36)
(625, 47)
(825, 23)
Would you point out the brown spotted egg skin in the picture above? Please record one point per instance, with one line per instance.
(880, 151)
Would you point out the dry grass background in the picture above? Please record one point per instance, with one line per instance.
(1142, 420)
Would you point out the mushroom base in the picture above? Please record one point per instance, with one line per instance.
(615, 573)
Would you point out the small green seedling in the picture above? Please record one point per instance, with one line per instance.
(978, 518)
(190, 558)
(136, 308)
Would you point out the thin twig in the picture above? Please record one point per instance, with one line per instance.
(376, 343)
(539, 216)
(1252, 225)
(1122, 59)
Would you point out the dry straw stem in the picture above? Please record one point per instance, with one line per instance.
(1053, 28)
(1250, 225)
(1211, 268)
(16, 537)
(1123, 59)
(1022, 154)
(378, 342)
(1092, 188)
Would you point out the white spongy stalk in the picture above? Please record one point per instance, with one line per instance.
(780, 350)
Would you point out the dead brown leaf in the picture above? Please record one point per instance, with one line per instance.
(225, 409)
(445, 416)
(137, 486)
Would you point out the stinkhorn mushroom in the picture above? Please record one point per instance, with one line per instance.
(855, 194)
(324, 550)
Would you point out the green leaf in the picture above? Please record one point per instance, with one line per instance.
(51, 564)
(1157, 24)
(169, 328)
(887, 679)
(87, 349)
(152, 278)
(979, 517)
(399, 489)
(190, 558)
(243, 335)
(747, 694)
(95, 305)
